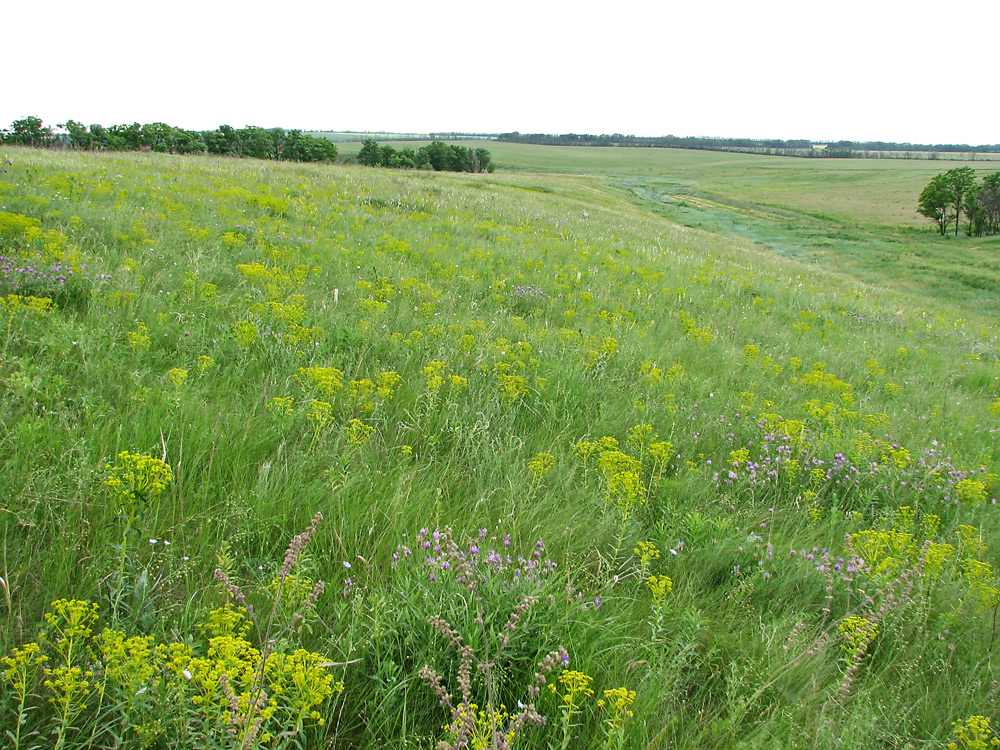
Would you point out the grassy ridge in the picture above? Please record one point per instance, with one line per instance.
(857, 217)
(533, 355)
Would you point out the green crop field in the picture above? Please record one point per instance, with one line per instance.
(608, 449)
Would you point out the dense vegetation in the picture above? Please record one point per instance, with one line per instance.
(575, 476)
(838, 149)
(952, 194)
(256, 142)
(441, 157)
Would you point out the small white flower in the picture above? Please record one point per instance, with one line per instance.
(346, 564)
(166, 543)
(153, 541)
(186, 674)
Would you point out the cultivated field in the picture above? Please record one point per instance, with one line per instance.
(588, 477)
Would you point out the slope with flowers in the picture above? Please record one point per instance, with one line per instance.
(578, 476)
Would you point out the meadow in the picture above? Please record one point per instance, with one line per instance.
(327, 456)
(854, 216)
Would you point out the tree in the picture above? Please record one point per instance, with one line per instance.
(989, 199)
(936, 201)
(28, 131)
(126, 137)
(963, 185)
(256, 142)
(79, 136)
(222, 140)
(437, 156)
(370, 154)
(481, 161)
(974, 212)
(158, 136)
(302, 147)
(99, 137)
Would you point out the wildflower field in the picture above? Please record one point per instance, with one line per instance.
(334, 457)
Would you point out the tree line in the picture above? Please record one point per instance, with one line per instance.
(830, 149)
(252, 141)
(441, 157)
(955, 193)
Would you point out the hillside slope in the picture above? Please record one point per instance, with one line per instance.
(533, 415)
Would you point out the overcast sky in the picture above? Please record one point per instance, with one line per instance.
(908, 72)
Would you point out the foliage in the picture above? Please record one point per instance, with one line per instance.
(252, 141)
(212, 687)
(439, 156)
(951, 194)
(713, 496)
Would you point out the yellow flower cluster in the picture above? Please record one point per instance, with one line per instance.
(541, 465)
(971, 492)
(886, 552)
(178, 376)
(647, 552)
(617, 705)
(320, 414)
(281, 405)
(22, 665)
(624, 476)
(575, 688)
(436, 375)
(205, 363)
(139, 339)
(973, 733)
(358, 433)
(275, 281)
(858, 634)
(226, 689)
(326, 381)
(659, 586)
(818, 377)
(16, 304)
(245, 332)
(136, 476)
(702, 334)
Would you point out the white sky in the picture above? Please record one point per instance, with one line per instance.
(917, 71)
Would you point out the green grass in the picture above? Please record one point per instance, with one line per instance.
(853, 216)
(805, 396)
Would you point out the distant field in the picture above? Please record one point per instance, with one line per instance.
(876, 191)
(347, 136)
(855, 216)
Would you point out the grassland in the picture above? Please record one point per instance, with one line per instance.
(565, 450)
(358, 137)
(854, 216)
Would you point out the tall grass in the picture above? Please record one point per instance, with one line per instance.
(831, 455)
